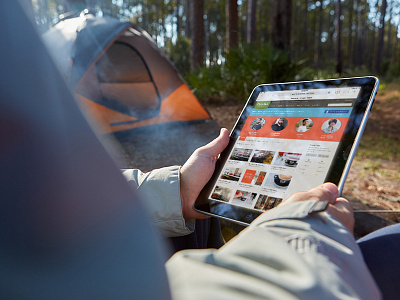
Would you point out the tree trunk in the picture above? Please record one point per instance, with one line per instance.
(297, 50)
(379, 51)
(188, 32)
(305, 37)
(313, 36)
(389, 38)
(209, 43)
(319, 51)
(363, 38)
(265, 16)
(394, 53)
(260, 30)
(356, 41)
(178, 19)
(232, 24)
(251, 21)
(144, 18)
(350, 45)
(162, 22)
(338, 30)
(281, 20)
(294, 36)
(371, 49)
(197, 28)
(331, 21)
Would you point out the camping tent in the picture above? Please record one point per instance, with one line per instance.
(119, 75)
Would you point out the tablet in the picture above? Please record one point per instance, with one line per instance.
(289, 137)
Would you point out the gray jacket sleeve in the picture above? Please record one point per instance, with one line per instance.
(160, 190)
(295, 251)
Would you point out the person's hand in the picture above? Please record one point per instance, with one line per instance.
(338, 207)
(197, 171)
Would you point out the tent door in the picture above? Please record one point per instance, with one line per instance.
(126, 84)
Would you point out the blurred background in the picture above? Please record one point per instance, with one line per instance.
(225, 48)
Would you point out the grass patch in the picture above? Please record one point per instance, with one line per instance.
(385, 87)
(378, 154)
(372, 167)
(379, 147)
(392, 86)
(394, 96)
(390, 174)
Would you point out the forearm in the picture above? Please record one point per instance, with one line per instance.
(309, 255)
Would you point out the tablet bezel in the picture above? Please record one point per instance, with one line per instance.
(342, 159)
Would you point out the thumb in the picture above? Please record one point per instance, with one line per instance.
(324, 192)
(216, 146)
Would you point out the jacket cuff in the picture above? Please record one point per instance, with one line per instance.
(295, 210)
(160, 191)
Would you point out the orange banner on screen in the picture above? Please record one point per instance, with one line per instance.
(315, 128)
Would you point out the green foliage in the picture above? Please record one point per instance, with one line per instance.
(207, 83)
(357, 71)
(249, 66)
(308, 73)
(393, 72)
(243, 69)
(179, 53)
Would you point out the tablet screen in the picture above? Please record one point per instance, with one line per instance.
(288, 138)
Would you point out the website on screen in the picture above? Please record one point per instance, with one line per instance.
(286, 145)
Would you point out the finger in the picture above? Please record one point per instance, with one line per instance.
(325, 192)
(333, 189)
(215, 147)
(343, 211)
(343, 204)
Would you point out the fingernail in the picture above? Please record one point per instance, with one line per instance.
(332, 188)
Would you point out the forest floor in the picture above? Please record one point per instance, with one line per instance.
(372, 184)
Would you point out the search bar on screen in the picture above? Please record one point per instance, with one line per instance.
(340, 104)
